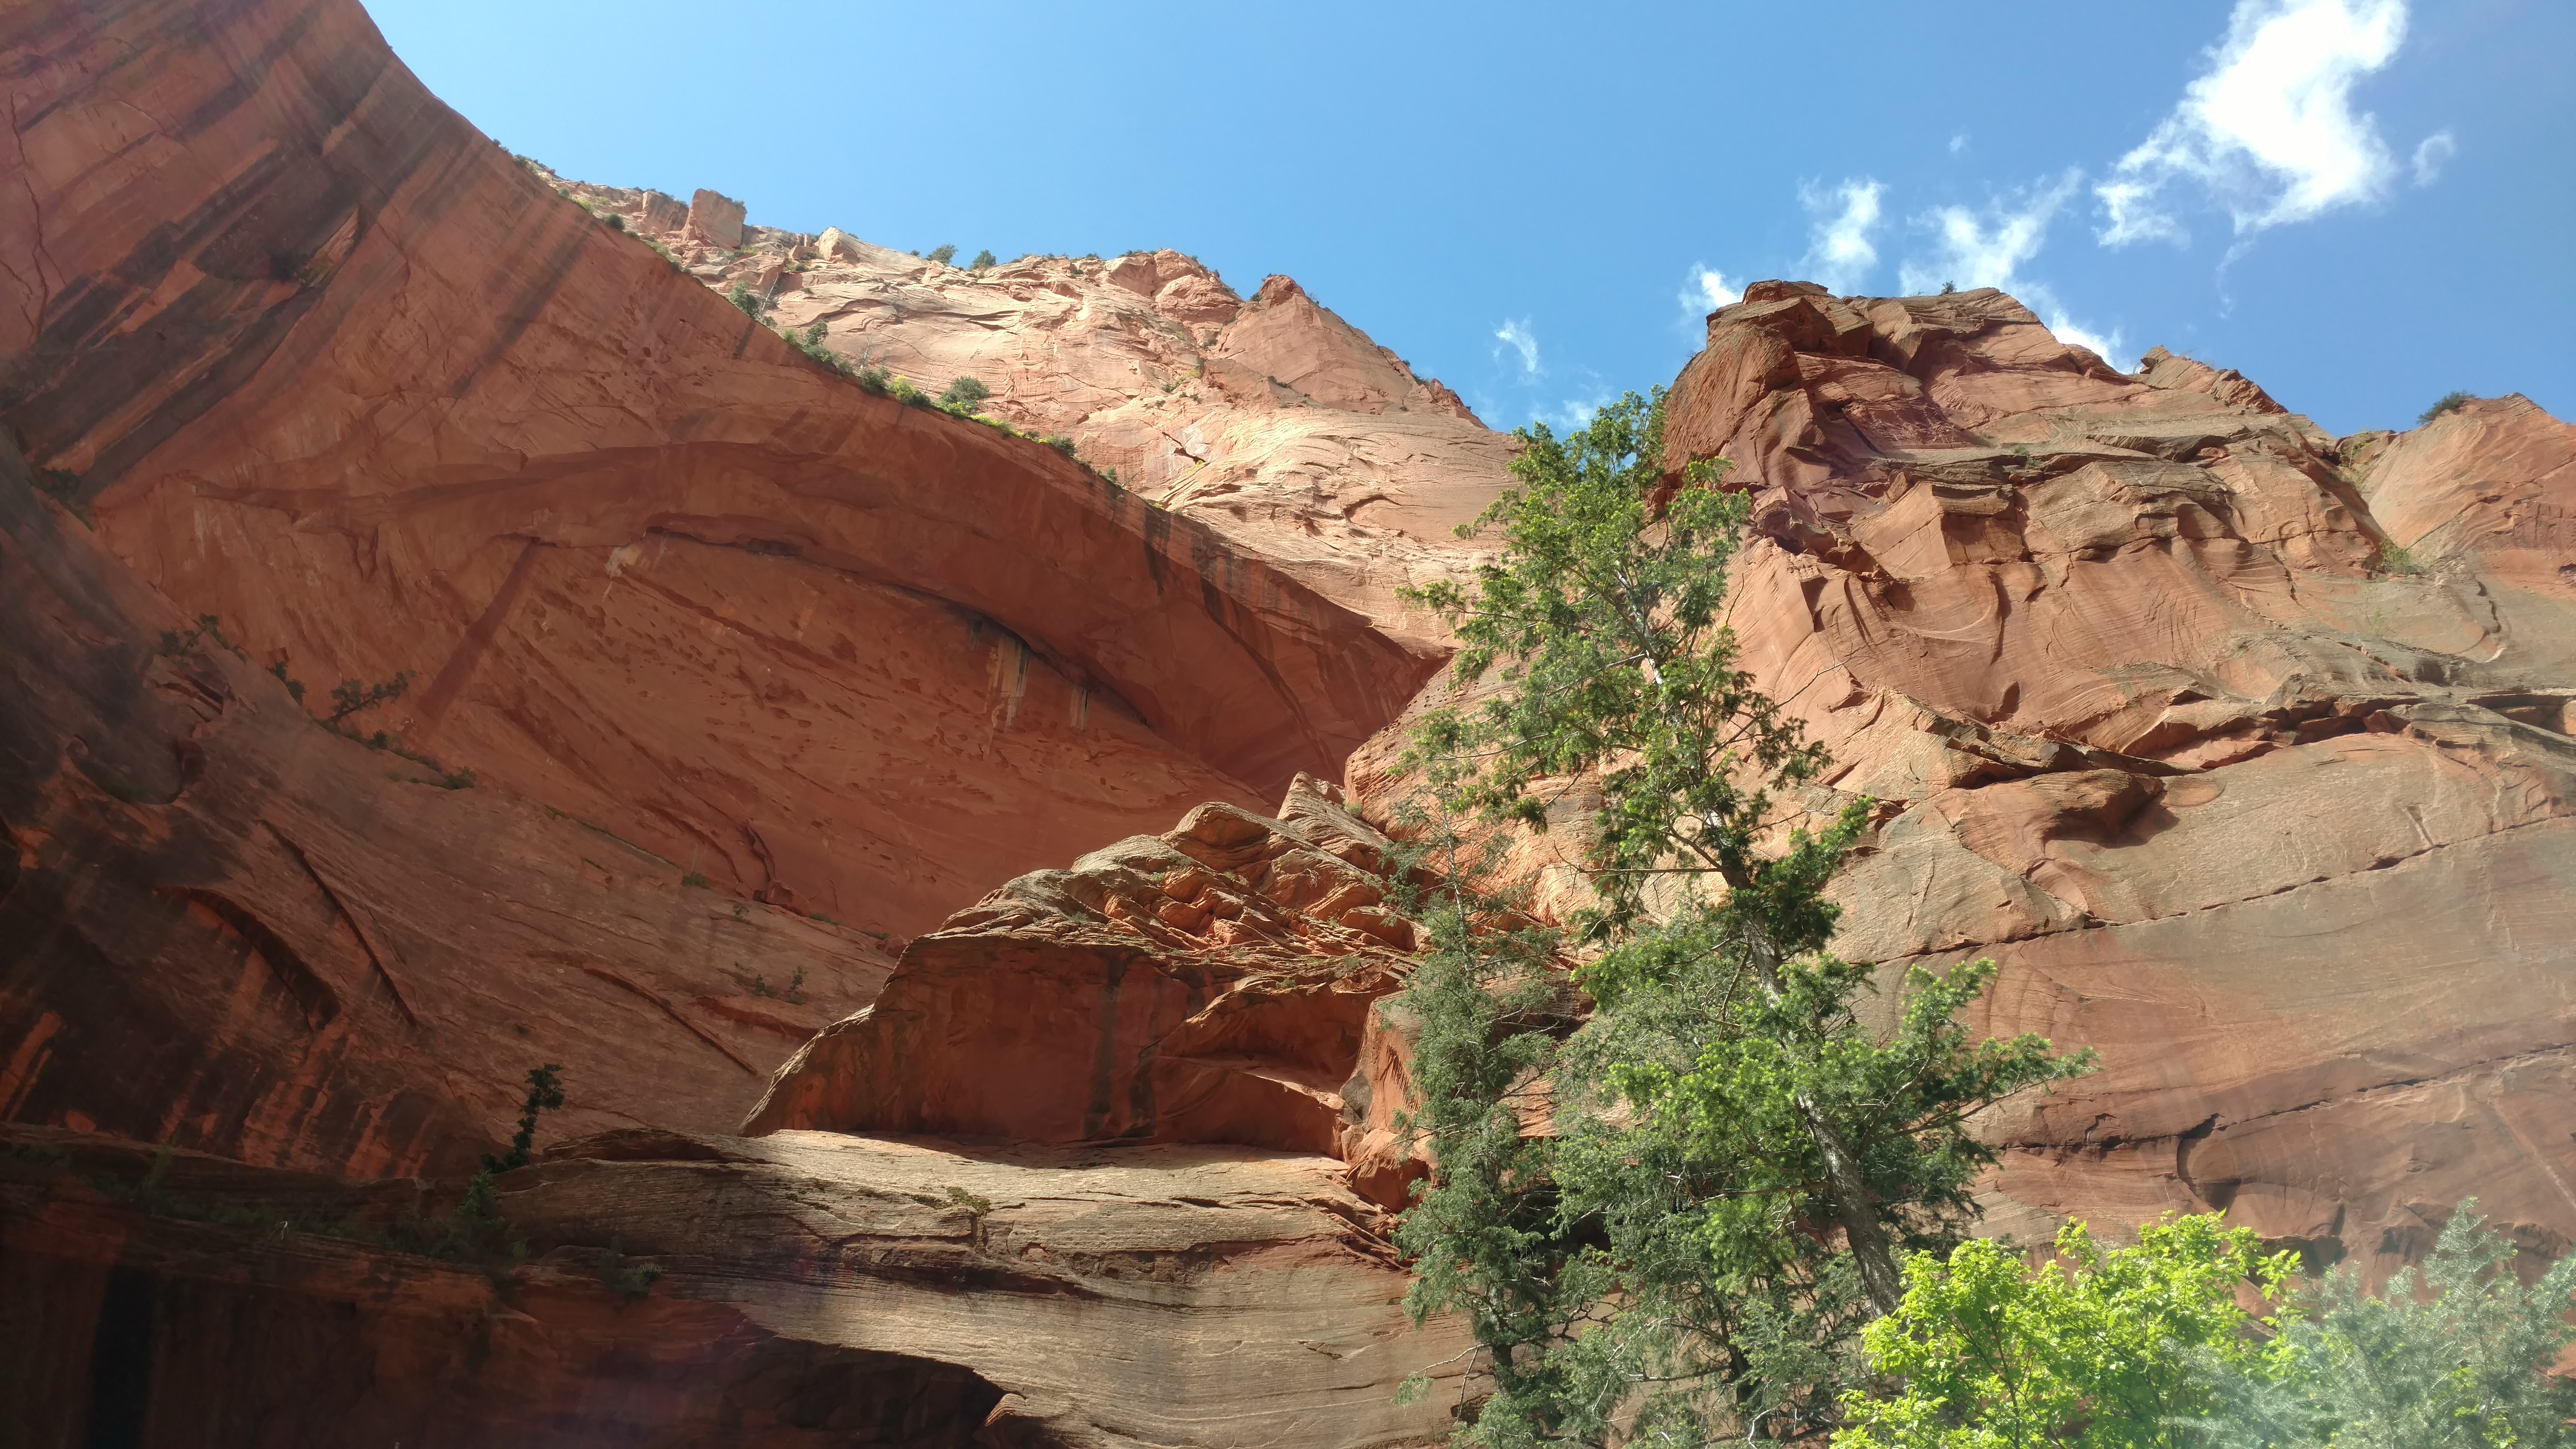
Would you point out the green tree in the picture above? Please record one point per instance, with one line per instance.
(2099, 1350)
(983, 259)
(941, 253)
(753, 305)
(963, 393)
(1736, 1162)
(2445, 1357)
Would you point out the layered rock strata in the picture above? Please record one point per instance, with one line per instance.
(808, 1289)
(2244, 750)
(227, 926)
(324, 362)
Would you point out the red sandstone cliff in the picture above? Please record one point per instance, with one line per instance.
(319, 359)
(1269, 418)
(757, 674)
(2284, 832)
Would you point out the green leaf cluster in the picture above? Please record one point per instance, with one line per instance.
(2098, 1350)
(2152, 1347)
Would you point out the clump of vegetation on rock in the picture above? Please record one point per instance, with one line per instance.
(2449, 402)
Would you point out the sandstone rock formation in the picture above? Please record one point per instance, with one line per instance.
(1273, 421)
(443, 636)
(813, 1289)
(1211, 984)
(444, 639)
(2286, 833)
(331, 366)
(225, 926)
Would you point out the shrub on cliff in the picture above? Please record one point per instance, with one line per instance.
(942, 253)
(982, 260)
(963, 393)
(753, 305)
(2449, 402)
(1737, 1165)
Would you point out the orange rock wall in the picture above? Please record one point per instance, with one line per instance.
(2285, 832)
(321, 360)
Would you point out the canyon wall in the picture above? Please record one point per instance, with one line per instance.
(2244, 750)
(319, 359)
(442, 635)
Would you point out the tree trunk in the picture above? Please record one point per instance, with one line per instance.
(1862, 1231)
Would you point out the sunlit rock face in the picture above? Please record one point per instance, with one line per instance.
(445, 636)
(2244, 750)
(1269, 419)
(330, 365)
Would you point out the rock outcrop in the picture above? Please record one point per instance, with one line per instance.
(1270, 419)
(812, 1289)
(331, 366)
(2243, 749)
(1213, 984)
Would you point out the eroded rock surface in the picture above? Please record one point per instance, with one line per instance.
(1211, 984)
(2279, 821)
(330, 365)
(225, 926)
(1269, 418)
(813, 1289)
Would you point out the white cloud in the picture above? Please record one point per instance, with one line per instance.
(1988, 249)
(2269, 130)
(1959, 144)
(2430, 156)
(1518, 337)
(1705, 291)
(1839, 251)
(1576, 412)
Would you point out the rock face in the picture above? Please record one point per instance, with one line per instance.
(329, 365)
(809, 1293)
(2285, 832)
(224, 925)
(1212, 984)
(1280, 426)
(443, 636)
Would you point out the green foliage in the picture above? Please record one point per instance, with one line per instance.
(545, 1091)
(2444, 1358)
(2396, 560)
(982, 260)
(630, 1280)
(615, 222)
(753, 305)
(1061, 442)
(943, 253)
(2150, 1348)
(1736, 1163)
(294, 687)
(2101, 1350)
(350, 696)
(64, 487)
(174, 642)
(963, 393)
(696, 882)
(2449, 402)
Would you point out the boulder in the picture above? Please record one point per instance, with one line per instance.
(715, 219)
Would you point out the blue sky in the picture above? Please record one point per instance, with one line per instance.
(2362, 204)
